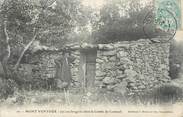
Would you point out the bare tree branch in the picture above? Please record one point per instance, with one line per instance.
(23, 52)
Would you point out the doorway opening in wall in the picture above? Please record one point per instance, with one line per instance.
(88, 68)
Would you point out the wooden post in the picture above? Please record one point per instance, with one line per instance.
(82, 71)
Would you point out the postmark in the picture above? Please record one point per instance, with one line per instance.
(160, 22)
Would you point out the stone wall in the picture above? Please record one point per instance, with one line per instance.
(39, 66)
(132, 66)
(125, 66)
(42, 65)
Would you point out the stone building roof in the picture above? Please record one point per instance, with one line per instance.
(87, 46)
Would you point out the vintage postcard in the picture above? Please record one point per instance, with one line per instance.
(91, 58)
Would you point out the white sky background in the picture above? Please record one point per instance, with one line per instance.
(98, 4)
(95, 4)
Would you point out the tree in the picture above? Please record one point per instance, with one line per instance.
(16, 14)
(5, 49)
(48, 21)
(122, 20)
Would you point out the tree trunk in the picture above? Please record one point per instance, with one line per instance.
(6, 51)
(23, 52)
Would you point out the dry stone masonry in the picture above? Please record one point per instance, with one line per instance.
(135, 66)
(124, 66)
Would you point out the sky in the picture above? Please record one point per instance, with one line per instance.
(96, 4)
(179, 36)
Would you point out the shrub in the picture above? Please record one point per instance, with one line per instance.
(176, 57)
(7, 88)
(167, 93)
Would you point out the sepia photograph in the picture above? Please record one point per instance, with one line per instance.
(91, 58)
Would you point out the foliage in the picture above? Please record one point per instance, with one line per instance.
(48, 21)
(176, 57)
(168, 93)
(53, 21)
(121, 20)
(7, 88)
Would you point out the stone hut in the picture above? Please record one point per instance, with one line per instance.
(133, 66)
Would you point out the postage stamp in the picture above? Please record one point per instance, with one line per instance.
(163, 20)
